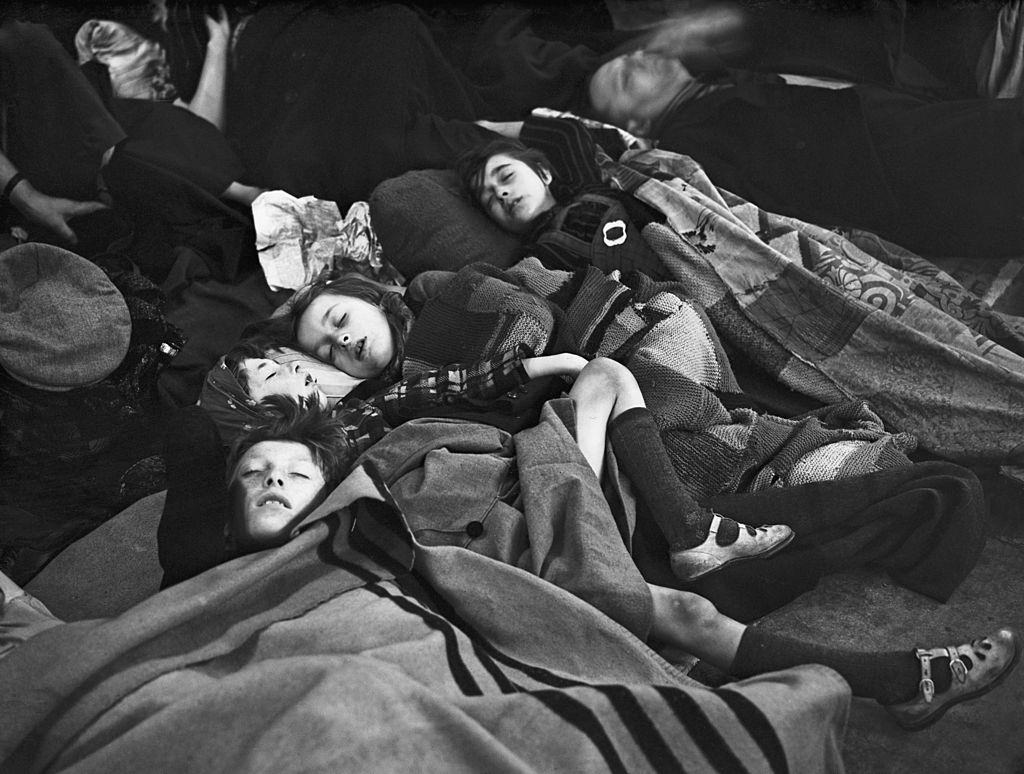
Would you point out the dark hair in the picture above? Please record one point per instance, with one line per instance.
(283, 418)
(283, 328)
(253, 347)
(470, 165)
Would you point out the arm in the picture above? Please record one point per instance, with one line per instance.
(209, 98)
(568, 145)
(50, 212)
(471, 385)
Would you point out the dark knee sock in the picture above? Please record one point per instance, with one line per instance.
(889, 677)
(641, 454)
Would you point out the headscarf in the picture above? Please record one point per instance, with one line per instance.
(232, 409)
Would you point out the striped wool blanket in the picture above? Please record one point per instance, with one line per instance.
(665, 338)
(326, 654)
(838, 320)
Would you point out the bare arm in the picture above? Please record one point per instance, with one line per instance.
(504, 128)
(564, 364)
(208, 101)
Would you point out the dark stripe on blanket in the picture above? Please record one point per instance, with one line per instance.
(759, 727)
(714, 746)
(456, 664)
(573, 711)
(593, 342)
(648, 738)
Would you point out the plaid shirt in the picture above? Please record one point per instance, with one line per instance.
(482, 382)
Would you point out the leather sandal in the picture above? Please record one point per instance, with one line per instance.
(690, 564)
(992, 659)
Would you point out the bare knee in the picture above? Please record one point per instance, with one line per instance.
(676, 608)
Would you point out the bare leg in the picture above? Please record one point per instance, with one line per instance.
(602, 391)
(690, 622)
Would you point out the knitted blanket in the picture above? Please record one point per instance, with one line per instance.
(665, 338)
(834, 321)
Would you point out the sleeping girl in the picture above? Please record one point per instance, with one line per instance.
(542, 182)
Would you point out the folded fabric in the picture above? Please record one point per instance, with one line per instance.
(138, 67)
(63, 323)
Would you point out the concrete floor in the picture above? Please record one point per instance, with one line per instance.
(867, 609)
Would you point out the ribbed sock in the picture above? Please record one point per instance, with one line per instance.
(889, 677)
(640, 452)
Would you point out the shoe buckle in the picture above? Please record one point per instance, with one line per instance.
(957, 666)
(926, 685)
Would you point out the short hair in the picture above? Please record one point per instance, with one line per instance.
(284, 328)
(249, 348)
(283, 418)
(470, 165)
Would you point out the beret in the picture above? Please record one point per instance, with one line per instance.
(63, 323)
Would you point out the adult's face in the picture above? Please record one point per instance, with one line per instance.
(633, 90)
(513, 193)
(276, 483)
(268, 377)
(348, 332)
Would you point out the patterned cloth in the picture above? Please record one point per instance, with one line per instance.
(834, 322)
(669, 344)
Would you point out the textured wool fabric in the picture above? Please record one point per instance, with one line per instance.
(63, 323)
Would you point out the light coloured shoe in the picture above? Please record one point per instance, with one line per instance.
(690, 564)
(992, 659)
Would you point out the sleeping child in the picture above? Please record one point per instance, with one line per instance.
(700, 542)
(284, 468)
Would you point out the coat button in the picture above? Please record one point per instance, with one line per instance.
(474, 529)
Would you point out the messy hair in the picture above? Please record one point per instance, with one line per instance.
(283, 418)
(253, 347)
(470, 165)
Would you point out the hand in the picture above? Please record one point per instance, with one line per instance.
(504, 128)
(50, 212)
(218, 29)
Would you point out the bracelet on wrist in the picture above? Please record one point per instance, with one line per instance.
(11, 184)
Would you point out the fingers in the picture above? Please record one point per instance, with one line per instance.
(84, 208)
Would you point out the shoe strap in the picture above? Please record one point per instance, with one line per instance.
(956, 665)
(716, 520)
(926, 685)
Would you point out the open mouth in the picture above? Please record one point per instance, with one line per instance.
(360, 348)
(309, 380)
(273, 498)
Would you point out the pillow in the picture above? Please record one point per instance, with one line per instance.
(425, 221)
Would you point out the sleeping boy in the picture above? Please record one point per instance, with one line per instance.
(283, 468)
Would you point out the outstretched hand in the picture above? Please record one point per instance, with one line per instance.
(50, 212)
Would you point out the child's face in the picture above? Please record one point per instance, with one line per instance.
(348, 332)
(513, 194)
(266, 377)
(275, 484)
